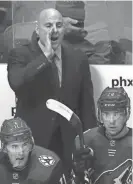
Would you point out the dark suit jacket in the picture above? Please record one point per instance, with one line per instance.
(30, 77)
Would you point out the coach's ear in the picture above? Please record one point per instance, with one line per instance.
(37, 29)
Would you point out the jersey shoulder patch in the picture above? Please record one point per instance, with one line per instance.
(46, 160)
(46, 157)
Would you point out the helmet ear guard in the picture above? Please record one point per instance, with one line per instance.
(2, 149)
(99, 117)
(128, 113)
(32, 142)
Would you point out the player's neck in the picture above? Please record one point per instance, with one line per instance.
(123, 132)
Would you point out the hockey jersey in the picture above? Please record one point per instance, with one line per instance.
(112, 162)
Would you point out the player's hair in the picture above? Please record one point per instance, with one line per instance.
(113, 99)
(15, 129)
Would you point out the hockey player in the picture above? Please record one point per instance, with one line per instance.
(22, 162)
(112, 140)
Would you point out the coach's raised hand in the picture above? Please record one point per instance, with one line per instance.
(49, 52)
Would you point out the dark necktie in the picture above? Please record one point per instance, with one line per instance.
(55, 71)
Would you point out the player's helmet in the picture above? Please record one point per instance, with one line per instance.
(113, 99)
(15, 129)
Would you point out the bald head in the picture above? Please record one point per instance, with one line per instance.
(49, 13)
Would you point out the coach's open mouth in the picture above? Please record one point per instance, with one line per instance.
(53, 38)
(22, 158)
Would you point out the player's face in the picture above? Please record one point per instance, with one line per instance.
(18, 153)
(113, 121)
(51, 24)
